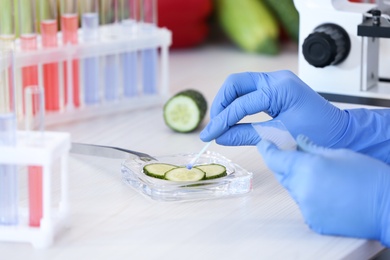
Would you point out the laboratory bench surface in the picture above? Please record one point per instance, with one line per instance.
(110, 220)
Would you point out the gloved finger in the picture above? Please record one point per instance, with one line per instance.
(234, 86)
(306, 145)
(280, 162)
(240, 134)
(293, 169)
(248, 104)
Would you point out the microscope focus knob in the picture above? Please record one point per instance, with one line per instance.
(329, 44)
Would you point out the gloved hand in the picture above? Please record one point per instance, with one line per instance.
(339, 192)
(285, 97)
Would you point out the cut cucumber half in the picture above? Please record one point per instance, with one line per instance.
(213, 170)
(184, 174)
(158, 170)
(185, 111)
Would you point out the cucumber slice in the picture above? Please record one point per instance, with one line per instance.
(184, 174)
(158, 170)
(213, 170)
(185, 111)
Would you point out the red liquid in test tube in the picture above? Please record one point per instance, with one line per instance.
(34, 124)
(69, 27)
(33, 105)
(30, 79)
(50, 71)
(35, 195)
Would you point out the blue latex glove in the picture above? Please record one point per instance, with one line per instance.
(285, 97)
(339, 192)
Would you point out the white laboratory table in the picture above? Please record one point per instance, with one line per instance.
(110, 220)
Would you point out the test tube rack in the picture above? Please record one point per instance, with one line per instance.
(159, 38)
(55, 148)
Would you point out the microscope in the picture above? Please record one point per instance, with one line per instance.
(344, 50)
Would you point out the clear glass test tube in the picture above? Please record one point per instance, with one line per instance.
(129, 14)
(8, 173)
(8, 35)
(129, 11)
(110, 18)
(34, 126)
(149, 56)
(49, 28)
(27, 24)
(69, 29)
(28, 39)
(7, 22)
(90, 33)
(110, 30)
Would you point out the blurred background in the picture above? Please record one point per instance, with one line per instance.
(245, 23)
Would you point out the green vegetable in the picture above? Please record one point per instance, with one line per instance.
(288, 16)
(184, 174)
(158, 170)
(179, 173)
(213, 170)
(185, 111)
(249, 24)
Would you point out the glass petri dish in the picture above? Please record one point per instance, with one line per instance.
(238, 181)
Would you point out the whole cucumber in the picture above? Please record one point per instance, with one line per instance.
(249, 24)
(288, 16)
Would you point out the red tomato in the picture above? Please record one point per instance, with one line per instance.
(187, 19)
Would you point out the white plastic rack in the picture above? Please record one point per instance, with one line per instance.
(159, 38)
(54, 149)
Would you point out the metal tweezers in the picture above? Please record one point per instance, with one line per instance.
(108, 151)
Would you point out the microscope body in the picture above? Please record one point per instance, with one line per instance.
(344, 50)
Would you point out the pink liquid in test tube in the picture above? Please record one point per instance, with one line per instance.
(30, 78)
(35, 195)
(34, 113)
(69, 27)
(50, 71)
(33, 105)
(34, 116)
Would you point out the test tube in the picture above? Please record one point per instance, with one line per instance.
(90, 33)
(8, 173)
(28, 39)
(149, 56)
(49, 28)
(34, 126)
(8, 34)
(129, 17)
(69, 29)
(7, 22)
(7, 37)
(110, 23)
